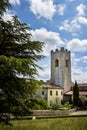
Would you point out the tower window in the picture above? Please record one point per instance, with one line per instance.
(66, 63)
(56, 63)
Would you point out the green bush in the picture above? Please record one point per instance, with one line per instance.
(66, 106)
(54, 106)
(37, 104)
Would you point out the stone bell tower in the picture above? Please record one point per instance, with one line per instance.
(61, 68)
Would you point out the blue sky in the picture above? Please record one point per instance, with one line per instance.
(57, 23)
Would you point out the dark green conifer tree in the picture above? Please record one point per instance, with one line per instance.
(18, 56)
(75, 94)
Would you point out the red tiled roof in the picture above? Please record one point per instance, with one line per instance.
(52, 86)
(80, 93)
(82, 85)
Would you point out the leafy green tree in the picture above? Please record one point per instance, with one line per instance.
(75, 94)
(18, 57)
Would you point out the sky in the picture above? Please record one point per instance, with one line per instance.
(57, 23)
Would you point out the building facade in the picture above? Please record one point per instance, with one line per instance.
(60, 81)
(51, 93)
(82, 93)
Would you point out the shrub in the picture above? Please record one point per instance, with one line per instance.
(38, 104)
(54, 106)
(66, 106)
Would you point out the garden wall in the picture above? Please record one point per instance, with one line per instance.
(51, 112)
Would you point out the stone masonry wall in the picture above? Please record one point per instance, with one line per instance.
(61, 75)
(51, 112)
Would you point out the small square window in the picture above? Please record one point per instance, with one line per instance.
(42, 92)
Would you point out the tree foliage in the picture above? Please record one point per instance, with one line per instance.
(18, 57)
(37, 104)
(3, 5)
(75, 94)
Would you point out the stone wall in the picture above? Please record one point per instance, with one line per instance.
(51, 112)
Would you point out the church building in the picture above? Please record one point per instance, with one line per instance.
(59, 87)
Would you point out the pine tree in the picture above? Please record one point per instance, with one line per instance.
(3, 5)
(18, 56)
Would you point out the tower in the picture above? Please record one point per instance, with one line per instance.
(61, 68)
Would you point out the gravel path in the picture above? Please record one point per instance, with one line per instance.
(79, 113)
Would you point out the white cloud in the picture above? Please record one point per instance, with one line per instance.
(14, 2)
(76, 60)
(75, 24)
(82, 20)
(51, 39)
(84, 58)
(43, 8)
(72, 0)
(81, 9)
(45, 73)
(7, 16)
(79, 74)
(78, 71)
(77, 45)
(70, 26)
(61, 9)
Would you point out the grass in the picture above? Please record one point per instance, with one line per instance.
(68, 123)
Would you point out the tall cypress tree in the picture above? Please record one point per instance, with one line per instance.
(75, 94)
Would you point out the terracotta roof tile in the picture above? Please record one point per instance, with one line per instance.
(80, 93)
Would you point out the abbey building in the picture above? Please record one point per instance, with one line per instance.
(59, 87)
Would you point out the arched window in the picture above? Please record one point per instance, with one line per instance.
(66, 63)
(56, 63)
